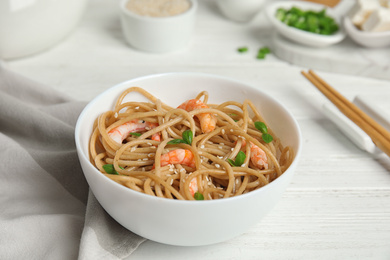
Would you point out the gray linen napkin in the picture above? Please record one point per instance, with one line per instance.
(46, 209)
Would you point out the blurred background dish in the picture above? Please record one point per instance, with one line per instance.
(153, 29)
(368, 23)
(29, 27)
(301, 36)
(366, 39)
(240, 10)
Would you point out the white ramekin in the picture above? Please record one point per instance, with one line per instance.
(158, 34)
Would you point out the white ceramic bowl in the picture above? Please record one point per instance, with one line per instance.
(30, 27)
(158, 34)
(240, 11)
(188, 223)
(366, 39)
(300, 36)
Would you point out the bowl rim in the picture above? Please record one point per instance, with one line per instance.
(323, 40)
(192, 9)
(83, 114)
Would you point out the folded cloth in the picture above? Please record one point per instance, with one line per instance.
(46, 209)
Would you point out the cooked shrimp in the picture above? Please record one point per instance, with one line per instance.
(178, 156)
(193, 186)
(207, 120)
(181, 156)
(258, 156)
(120, 133)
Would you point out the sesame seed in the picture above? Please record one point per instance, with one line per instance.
(199, 152)
(132, 149)
(145, 159)
(202, 146)
(223, 131)
(243, 165)
(231, 130)
(217, 165)
(136, 107)
(116, 115)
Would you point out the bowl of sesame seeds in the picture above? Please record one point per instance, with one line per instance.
(158, 26)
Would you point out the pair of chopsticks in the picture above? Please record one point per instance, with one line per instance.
(379, 135)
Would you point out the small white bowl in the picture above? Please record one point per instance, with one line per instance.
(240, 11)
(158, 34)
(366, 39)
(300, 36)
(188, 223)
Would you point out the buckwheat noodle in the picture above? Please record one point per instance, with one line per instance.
(137, 160)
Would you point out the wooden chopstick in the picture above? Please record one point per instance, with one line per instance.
(379, 135)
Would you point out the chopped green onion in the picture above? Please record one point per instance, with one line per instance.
(263, 52)
(187, 138)
(261, 127)
(260, 56)
(232, 163)
(198, 196)
(267, 138)
(311, 21)
(109, 168)
(240, 158)
(242, 49)
(136, 134)
(264, 130)
(177, 141)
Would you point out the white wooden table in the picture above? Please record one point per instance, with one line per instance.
(338, 204)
